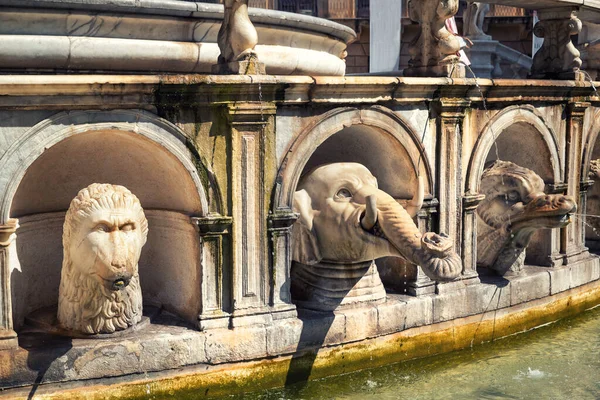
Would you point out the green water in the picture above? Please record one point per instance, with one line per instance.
(558, 361)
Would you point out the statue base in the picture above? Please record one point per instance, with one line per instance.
(246, 67)
(45, 319)
(578, 76)
(328, 286)
(437, 71)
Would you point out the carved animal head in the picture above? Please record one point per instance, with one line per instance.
(104, 231)
(345, 218)
(515, 206)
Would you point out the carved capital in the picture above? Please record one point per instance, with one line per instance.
(213, 225)
(434, 52)
(556, 188)
(282, 220)
(557, 58)
(577, 109)
(471, 201)
(7, 232)
(586, 184)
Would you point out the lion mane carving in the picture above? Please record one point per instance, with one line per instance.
(104, 231)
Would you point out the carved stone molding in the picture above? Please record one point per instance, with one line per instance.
(434, 52)
(557, 58)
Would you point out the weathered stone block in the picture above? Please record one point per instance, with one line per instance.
(321, 329)
(361, 323)
(419, 311)
(530, 286)
(283, 336)
(391, 316)
(584, 272)
(227, 345)
(560, 279)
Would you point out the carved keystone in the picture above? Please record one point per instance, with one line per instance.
(435, 50)
(557, 58)
(237, 39)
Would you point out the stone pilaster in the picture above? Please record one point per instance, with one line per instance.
(572, 246)
(449, 141)
(252, 165)
(553, 236)
(557, 58)
(8, 337)
(584, 187)
(422, 284)
(280, 229)
(215, 234)
(434, 52)
(469, 245)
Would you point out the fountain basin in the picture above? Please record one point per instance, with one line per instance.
(158, 36)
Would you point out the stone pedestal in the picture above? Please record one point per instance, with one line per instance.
(557, 58)
(483, 57)
(434, 52)
(8, 337)
(247, 67)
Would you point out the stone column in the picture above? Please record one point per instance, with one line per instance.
(434, 52)
(469, 249)
(572, 247)
(280, 230)
(8, 337)
(215, 234)
(252, 164)
(557, 58)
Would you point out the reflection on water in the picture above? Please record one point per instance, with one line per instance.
(559, 361)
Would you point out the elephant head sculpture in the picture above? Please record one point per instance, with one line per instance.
(515, 207)
(346, 219)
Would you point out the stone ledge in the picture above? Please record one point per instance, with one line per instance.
(413, 343)
(166, 346)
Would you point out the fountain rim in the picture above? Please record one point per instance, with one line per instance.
(190, 9)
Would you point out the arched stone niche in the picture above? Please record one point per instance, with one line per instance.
(135, 149)
(375, 137)
(518, 134)
(592, 152)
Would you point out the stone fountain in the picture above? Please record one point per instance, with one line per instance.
(296, 222)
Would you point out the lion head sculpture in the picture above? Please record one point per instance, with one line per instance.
(104, 232)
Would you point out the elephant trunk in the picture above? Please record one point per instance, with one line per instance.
(432, 252)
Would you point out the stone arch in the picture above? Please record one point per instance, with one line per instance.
(27, 149)
(513, 121)
(375, 118)
(496, 126)
(137, 149)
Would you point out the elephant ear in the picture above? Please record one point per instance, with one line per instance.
(305, 247)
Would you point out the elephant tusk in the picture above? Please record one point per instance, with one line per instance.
(417, 202)
(369, 220)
